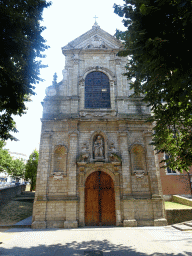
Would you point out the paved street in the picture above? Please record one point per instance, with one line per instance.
(96, 242)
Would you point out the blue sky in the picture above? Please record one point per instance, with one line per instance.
(64, 21)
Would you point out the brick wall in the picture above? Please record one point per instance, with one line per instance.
(174, 183)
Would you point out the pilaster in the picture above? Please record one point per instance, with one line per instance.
(73, 147)
(126, 173)
(151, 167)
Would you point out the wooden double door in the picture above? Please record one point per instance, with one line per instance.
(99, 200)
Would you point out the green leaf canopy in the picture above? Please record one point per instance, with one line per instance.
(158, 41)
(21, 46)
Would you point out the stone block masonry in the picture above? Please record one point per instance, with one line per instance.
(6, 194)
(95, 166)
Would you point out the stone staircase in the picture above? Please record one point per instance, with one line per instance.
(25, 196)
(184, 226)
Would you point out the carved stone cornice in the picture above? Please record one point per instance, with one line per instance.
(97, 113)
(115, 166)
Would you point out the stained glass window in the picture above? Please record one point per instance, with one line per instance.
(97, 90)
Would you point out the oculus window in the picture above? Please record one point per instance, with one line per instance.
(97, 90)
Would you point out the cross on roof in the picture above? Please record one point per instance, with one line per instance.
(95, 19)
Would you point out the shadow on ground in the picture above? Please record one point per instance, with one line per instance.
(90, 248)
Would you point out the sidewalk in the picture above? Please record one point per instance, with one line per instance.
(116, 241)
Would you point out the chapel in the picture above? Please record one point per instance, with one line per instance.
(96, 165)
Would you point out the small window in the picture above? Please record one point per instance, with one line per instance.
(168, 169)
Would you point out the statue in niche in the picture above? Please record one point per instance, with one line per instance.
(98, 147)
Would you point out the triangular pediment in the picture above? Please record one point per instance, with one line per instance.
(95, 38)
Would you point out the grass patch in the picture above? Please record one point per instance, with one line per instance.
(173, 205)
(15, 211)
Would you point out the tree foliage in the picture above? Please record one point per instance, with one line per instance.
(158, 41)
(5, 158)
(21, 47)
(31, 168)
(14, 167)
(17, 169)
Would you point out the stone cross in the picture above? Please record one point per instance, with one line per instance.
(95, 19)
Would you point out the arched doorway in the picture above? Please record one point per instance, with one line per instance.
(99, 200)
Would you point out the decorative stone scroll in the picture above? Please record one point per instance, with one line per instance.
(139, 174)
(57, 175)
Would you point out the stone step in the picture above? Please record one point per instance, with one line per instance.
(27, 193)
(182, 227)
(23, 198)
(188, 223)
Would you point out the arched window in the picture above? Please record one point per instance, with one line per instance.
(97, 90)
(60, 159)
(137, 158)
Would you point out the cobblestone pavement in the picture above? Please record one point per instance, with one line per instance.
(96, 242)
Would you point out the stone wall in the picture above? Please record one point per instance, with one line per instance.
(7, 194)
(178, 215)
(182, 200)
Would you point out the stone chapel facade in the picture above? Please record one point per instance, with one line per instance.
(96, 166)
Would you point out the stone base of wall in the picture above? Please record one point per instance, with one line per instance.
(142, 223)
(39, 225)
(129, 223)
(160, 222)
(70, 224)
(55, 224)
